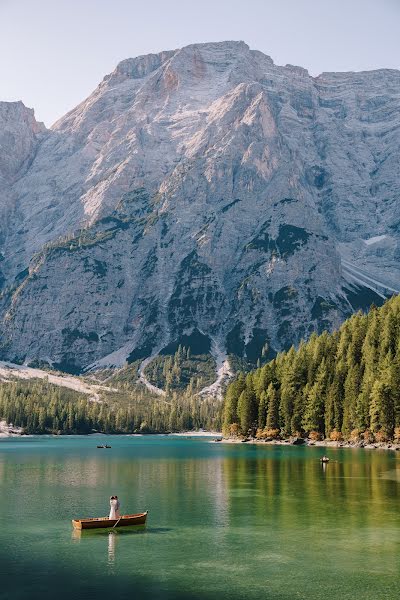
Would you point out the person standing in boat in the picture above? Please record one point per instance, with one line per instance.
(114, 508)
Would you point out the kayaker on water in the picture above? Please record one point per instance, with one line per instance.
(114, 508)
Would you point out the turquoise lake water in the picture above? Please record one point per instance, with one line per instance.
(225, 521)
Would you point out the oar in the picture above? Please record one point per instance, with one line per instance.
(115, 524)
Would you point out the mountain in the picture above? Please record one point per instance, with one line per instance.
(204, 197)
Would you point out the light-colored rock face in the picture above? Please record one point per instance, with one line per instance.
(218, 195)
(20, 134)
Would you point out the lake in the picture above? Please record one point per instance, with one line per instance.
(226, 521)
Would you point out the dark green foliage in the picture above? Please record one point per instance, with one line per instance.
(272, 402)
(247, 408)
(232, 399)
(141, 353)
(183, 370)
(196, 342)
(262, 410)
(258, 347)
(263, 241)
(290, 239)
(39, 407)
(131, 210)
(189, 298)
(235, 340)
(321, 308)
(340, 383)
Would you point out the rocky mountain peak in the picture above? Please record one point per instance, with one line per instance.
(137, 68)
(199, 196)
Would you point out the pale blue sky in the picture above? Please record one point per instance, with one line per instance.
(55, 52)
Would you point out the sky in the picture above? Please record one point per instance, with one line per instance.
(55, 52)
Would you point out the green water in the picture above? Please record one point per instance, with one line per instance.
(225, 521)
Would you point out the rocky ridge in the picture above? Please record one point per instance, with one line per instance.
(202, 196)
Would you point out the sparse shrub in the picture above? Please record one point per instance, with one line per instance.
(356, 435)
(335, 436)
(233, 430)
(314, 436)
(368, 437)
(381, 436)
(267, 433)
(272, 433)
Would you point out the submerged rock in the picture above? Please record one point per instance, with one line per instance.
(297, 441)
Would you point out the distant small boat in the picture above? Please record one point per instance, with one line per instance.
(324, 459)
(104, 446)
(103, 522)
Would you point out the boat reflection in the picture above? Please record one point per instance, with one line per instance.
(80, 534)
(112, 538)
(112, 535)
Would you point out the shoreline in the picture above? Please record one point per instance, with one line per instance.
(394, 446)
(213, 434)
(216, 437)
(15, 433)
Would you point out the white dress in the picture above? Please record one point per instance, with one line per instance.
(114, 509)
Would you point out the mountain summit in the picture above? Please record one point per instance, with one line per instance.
(204, 197)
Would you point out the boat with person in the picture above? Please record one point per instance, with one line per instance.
(105, 522)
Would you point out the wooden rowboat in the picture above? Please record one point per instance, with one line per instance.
(123, 521)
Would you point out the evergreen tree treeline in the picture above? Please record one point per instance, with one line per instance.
(39, 407)
(340, 385)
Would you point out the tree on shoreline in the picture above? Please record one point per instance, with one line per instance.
(343, 384)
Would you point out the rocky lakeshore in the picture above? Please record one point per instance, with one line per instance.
(7, 430)
(323, 443)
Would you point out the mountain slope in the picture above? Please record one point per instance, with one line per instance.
(202, 196)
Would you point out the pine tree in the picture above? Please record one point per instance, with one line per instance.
(351, 395)
(272, 402)
(262, 410)
(382, 406)
(231, 401)
(288, 391)
(247, 411)
(313, 419)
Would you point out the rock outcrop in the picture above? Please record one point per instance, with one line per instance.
(203, 194)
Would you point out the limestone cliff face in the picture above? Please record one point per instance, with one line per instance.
(202, 192)
(20, 135)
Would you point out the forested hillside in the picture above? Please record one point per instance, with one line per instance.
(340, 385)
(40, 407)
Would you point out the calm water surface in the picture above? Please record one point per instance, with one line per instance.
(225, 521)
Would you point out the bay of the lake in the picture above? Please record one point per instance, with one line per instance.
(226, 521)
